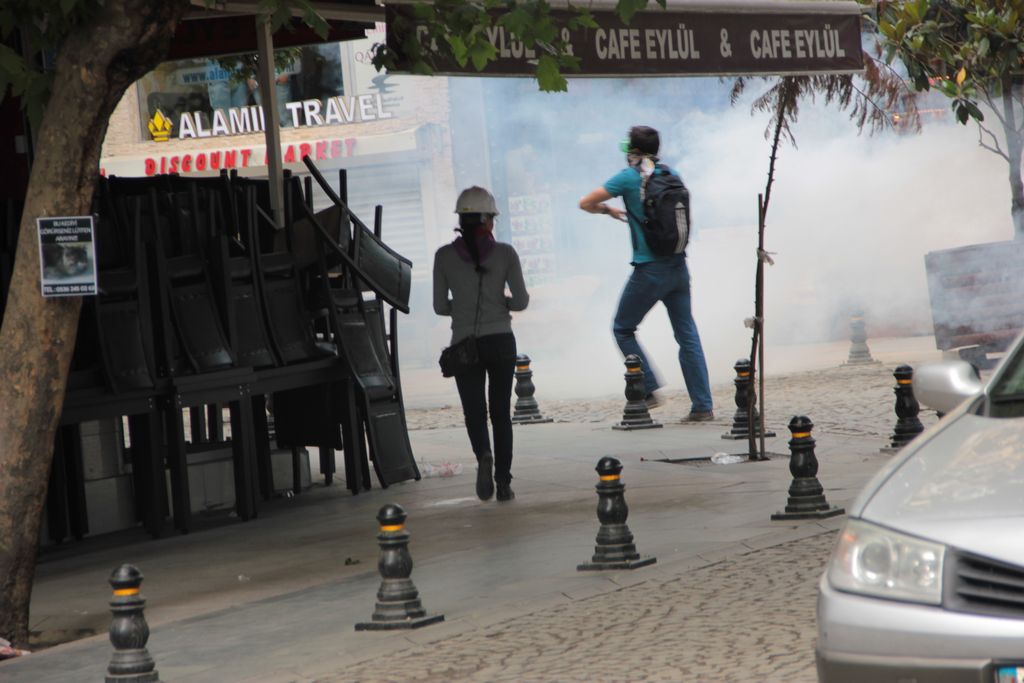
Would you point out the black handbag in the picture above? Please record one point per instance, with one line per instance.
(463, 356)
(459, 357)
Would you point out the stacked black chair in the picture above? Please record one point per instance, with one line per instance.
(205, 301)
(112, 375)
(304, 404)
(372, 275)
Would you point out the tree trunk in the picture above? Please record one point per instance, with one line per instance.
(1014, 148)
(95, 65)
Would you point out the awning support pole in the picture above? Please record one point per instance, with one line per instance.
(267, 76)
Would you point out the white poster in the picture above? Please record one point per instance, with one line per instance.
(67, 256)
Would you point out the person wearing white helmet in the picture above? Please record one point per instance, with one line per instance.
(470, 276)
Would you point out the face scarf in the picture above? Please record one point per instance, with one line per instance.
(644, 163)
(484, 246)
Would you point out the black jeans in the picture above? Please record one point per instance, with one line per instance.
(497, 364)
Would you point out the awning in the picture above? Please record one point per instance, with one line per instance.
(213, 30)
(688, 38)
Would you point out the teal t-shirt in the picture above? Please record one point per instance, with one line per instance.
(626, 184)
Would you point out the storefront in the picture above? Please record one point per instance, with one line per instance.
(391, 134)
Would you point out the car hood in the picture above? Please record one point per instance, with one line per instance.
(963, 487)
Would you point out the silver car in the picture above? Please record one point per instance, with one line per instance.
(926, 582)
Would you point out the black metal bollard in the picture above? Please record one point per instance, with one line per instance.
(526, 410)
(129, 632)
(635, 415)
(806, 495)
(615, 548)
(908, 424)
(860, 354)
(744, 389)
(398, 601)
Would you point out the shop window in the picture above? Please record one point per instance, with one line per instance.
(220, 95)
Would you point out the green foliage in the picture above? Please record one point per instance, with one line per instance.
(242, 67)
(458, 30)
(968, 50)
(31, 32)
(41, 24)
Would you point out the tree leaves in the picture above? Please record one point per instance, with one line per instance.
(969, 50)
(44, 24)
(459, 30)
(549, 76)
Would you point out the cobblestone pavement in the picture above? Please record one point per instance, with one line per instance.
(852, 400)
(746, 619)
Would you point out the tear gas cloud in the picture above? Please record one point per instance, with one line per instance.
(850, 220)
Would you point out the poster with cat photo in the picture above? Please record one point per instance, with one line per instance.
(67, 256)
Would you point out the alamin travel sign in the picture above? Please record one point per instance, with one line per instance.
(667, 43)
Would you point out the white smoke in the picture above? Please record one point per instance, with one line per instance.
(850, 220)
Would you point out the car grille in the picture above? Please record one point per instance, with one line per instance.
(982, 586)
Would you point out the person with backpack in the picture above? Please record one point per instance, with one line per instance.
(475, 269)
(658, 214)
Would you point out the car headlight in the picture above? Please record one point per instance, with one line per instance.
(872, 560)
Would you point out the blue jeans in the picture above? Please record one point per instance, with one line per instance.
(668, 281)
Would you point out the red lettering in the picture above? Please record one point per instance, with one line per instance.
(304, 150)
(201, 162)
(186, 163)
(246, 153)
(173, 166)
(321, 150)
(163, 164)
(289, 156)
(150, 166)
(230, 158)
(350, 144)
(335, 148)
(215, 160)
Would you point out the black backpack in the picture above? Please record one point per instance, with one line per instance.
(666, 219)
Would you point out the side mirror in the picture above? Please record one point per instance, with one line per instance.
(944, 386)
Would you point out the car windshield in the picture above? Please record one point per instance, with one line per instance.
(1007, 394)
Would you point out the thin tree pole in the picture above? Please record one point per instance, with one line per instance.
(757, 451)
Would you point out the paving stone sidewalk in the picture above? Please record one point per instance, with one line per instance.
(851, 400)
(746, 619)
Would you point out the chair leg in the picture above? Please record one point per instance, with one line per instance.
(148, 471)
(327, 467)
(261, 438)
(56, 499)
(296, 470)
(78, 515)
(178, 464)
(197, 422)
(242, 451)
(215, 420)
(357, 471)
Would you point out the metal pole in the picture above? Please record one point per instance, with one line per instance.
(266, 75)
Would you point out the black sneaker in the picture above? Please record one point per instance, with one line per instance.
(699, 416)
(505, 493)
(485, 477)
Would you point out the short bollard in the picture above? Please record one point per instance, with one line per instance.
(129, 632)
(635, 415)
(860, 354)
(806, 496)
(526, 410)
(615, 548)
(398, 601)
(908, 424)
(744, 392)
